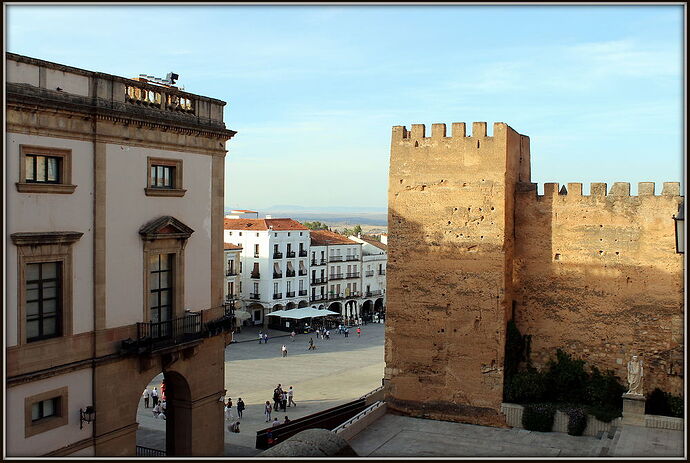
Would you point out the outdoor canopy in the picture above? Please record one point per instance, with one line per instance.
(303, 312)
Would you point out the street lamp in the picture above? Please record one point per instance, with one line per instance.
(679, 218)
(88, 416)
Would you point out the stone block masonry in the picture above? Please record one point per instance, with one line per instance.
(472, 245)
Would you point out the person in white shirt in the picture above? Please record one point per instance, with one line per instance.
(146, 395)
(154, 396)
(275, 423)
(290, 393)
(284, 350)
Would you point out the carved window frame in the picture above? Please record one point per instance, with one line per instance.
(177, 189)
(64, 186)
(166, 246)
(39, 247)
(61, 417)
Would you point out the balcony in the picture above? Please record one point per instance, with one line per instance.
(319, 281)
(290, 294)
(303, 253)
(352, 275)
(335, 276)
(256, 275)
(278, 296)
(302, 273)
(277, 255)
(382, 272)
(335, 259)
(334, 296)
(369, 273)
(156, 336)
(290, 254)
(256, 254)
(353, 294)
(351, 258)
(318, 297)
(378, 292)
(289, 273)
(254, 296)
(277, 275)
(302, 292)
(231, 273)
(318, 262)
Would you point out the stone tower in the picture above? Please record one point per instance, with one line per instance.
(450, 269)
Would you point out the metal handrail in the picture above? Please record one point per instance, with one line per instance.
(149, 452)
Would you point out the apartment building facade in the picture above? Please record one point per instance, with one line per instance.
(232, 253)
(374, 259)
(274, 264)
(114, 271)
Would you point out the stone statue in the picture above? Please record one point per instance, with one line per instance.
(635, 373)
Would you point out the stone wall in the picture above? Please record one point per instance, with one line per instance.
(598, 276)
(472, 245)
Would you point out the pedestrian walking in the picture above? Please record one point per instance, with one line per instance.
(154, 396)
(328, 334)
(240, 407)
(284, 350)
(228, 411)
(317, 333)
(261, 336)
(359, 331)
(267, 411)
(347, 332)
(265, 338)
(146, 395)
(311, 344)
(277, 396)
(291, 394)
(283, 401)
(292, 335)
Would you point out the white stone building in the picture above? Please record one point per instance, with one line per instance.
(374, 259)
(342, 271)
(233, 283)
(114, 239)
(274, 264)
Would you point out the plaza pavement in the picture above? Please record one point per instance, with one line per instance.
(338, 371)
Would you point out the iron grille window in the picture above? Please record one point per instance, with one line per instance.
(45, 409)
(162, 176)
(42, 169)
(161, 287)
(43, 301)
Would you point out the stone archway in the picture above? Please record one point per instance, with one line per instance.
(257, 312)
(379, 308)
(336, 307)
(367, 310)
(289, 305)
(302, 303)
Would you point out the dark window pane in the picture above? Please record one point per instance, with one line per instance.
(49, 270)
(31, 272)
(32, 329)
(36, 411)
(49, 326)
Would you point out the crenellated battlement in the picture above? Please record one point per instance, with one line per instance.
(596, 189)
(438, 131)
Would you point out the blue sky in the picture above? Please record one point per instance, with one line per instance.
(313, 91)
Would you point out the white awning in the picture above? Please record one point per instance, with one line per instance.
(302, 312)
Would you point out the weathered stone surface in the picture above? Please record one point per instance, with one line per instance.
(312, 443)
(472, 245)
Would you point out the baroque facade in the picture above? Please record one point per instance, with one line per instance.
(114, 272)
(472, 246)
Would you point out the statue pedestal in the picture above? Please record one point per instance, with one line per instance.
(633, 409)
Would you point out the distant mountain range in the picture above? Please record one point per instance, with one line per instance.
(336, 216)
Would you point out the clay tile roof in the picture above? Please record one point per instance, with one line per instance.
(263, 224)
(326, 237)
(233, 247)
(374, 242)
(242, 210)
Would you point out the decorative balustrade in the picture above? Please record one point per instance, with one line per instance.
(335, 259)
(303, 253)
(255, 296)
(290, 254)
(369, 273)
(147, 97)
(352, 275)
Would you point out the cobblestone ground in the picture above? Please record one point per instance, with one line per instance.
(338, 371)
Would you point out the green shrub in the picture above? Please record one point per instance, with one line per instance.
(538, 417)
(664, 403)
(603, 413)
(525, 387)
(566, 379)
(605, 390)
(577, 421)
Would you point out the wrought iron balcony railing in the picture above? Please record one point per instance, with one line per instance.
(302, 292)
(318, 262)
(335, 259)
(382, 272)
(319, 281)
(256, 275)
(369, 273)
(335, 276)
(352, 257)
(302, 273)
(318, 297)
(290, 254)
(378, 292)
(303, 253)
(277, 275)
(289, 273)
(277, 255)
(332, 296)
(290, 294)
(352, 275)
(231, 273)
(256, 296)
(277, 296)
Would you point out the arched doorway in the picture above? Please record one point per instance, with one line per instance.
(368, 311)
(302, 303)
(336, 307)
(379, 308)
(274, 322)
(170, 431)
(290, 305)
(256, 311)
